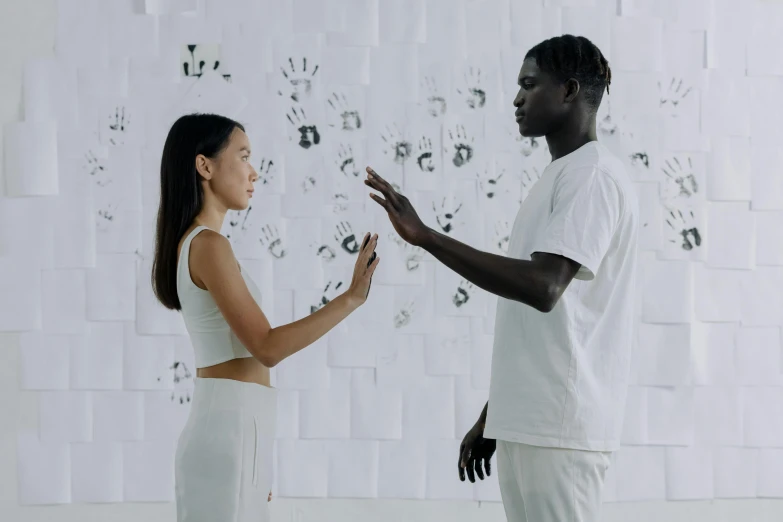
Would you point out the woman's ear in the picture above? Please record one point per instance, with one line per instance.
(204, 167)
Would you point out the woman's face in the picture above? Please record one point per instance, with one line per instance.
(232, 174)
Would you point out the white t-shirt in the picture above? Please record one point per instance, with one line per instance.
(559, 379)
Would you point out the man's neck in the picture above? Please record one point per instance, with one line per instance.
(571, 137)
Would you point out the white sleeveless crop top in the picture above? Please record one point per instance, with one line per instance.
(212, 338)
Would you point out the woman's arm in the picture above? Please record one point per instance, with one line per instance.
(214, 268)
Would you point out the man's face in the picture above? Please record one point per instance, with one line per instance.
(539, 102)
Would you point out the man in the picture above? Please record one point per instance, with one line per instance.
(563, 332)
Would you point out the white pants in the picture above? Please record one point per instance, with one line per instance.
(550, 484)
(223, 465)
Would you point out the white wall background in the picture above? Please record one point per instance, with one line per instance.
(704, 436)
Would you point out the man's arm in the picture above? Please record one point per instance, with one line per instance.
(538, 283)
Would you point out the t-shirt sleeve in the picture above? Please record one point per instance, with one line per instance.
(586, 206)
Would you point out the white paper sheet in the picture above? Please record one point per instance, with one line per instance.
(689, 474)
(317, 16)
(715, 294)
(20, 295)
(769, 477)
(401, 364)
(65, 416)
(428, 409)
(375, 413)
(443, 481)
(730, 172)
(393, 73)
(75, 227)
(714, 353)
(402, 469)
(346, 109)
(446, 27)
(43, 470)
(96, 472)
(303, 468)
(636, 44)
(730, 21)
(326, 414)
(414, 306)
(670, 416)
(766, 188)
(635, 417)
(64, 301)
(49, 91)
(758, 356)
(111, 288)
(725, 104)
(402, 21)
(25, 230)
(353, 469)
(532, 24)
(118, 416)
(640, 474)
(486, 27)
(305, 370)
(425, 170)
(764, 36)
(762, 416)
(164, 418)
(769, 247)
(667, 292)
(736, 472)
(663, 354)
(730, 238)
(765, 132)
(352, 347)
(148, 471)
(81, 39)
(44, 360)
(287, 414)
(97, 365)
(360, 23)
(447, 347)
(717, 416)
(469, 402)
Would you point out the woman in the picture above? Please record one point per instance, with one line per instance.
(223, 461)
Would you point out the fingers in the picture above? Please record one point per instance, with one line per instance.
(469, 469)
(378, 183)
(382, 202)
(487, 461)
(460, 469)
(479, 470)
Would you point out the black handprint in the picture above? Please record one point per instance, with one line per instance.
(180, 373)
(308, 184)
(640, 158)
(674, 93)
(326, 297)
(502, 235)
(489, 183)
(196, 72)
(424, 159)
(270, 238)
(266, 173)
(301, 84)
(462, 295)
(308, 134)
(119, 123)
(607, 126)
(682, 177)
(475, 96)
(346, 238)
(238, 218)
(396, 144)
(351, 120)
(684, 226)
(326, 253)
(436, 104)
(527, 145)
(346, 162)
(462, 145)
(405, 314)
(413, 256)
(95, 168)
(444, 217)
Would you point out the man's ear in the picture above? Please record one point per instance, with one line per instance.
(204, 167)
(571, 90)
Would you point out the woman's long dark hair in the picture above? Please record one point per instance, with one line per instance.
(181, 193)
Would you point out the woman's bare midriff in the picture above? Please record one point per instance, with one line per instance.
(246, 369)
